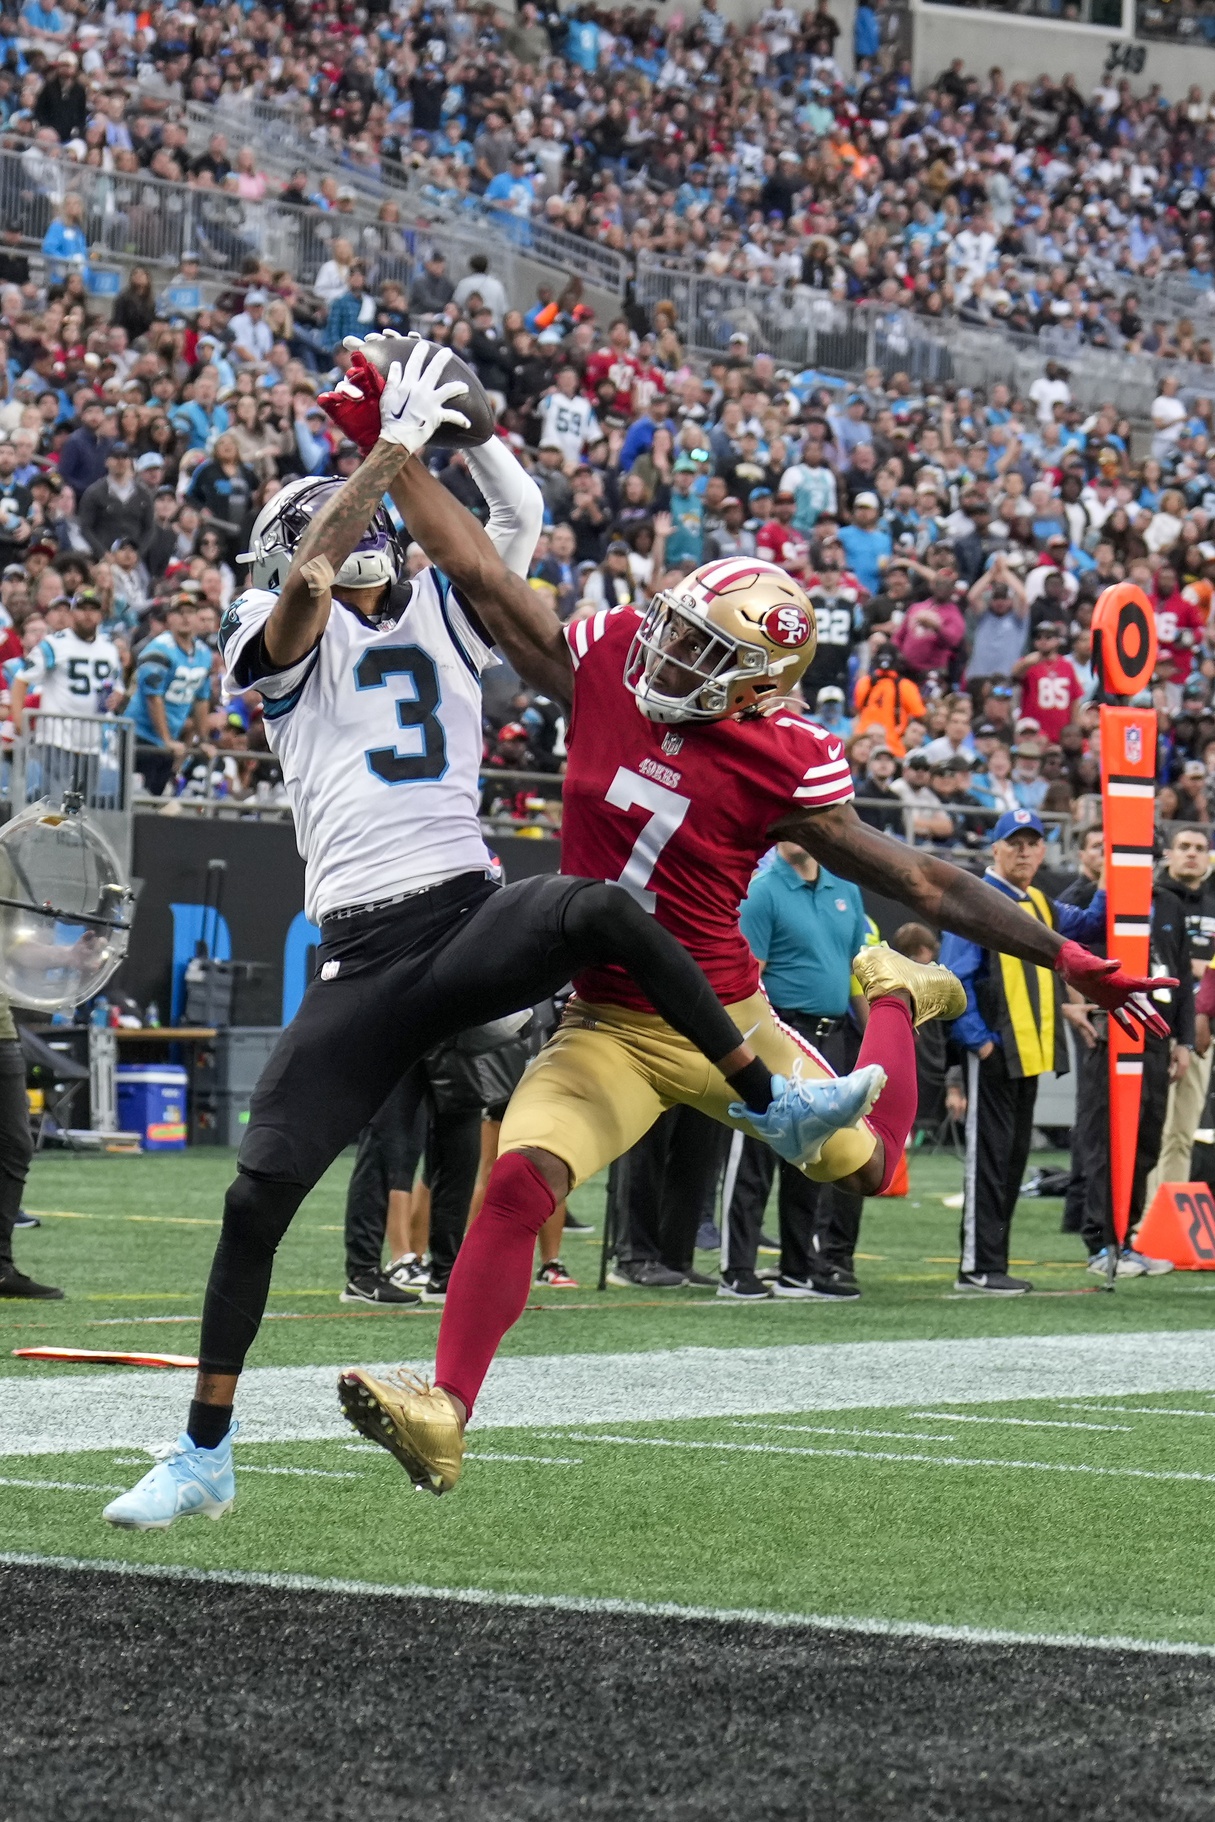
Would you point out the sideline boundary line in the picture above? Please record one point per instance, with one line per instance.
(562, 1603)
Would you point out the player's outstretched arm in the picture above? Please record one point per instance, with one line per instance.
(300, 614)
(514, 615)
(953, 899)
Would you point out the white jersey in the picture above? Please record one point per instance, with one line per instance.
(74, 676)
(570, 423)
(378, 731)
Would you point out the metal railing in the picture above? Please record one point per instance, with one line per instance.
(809, 330)
(286, 138)
(92, 754)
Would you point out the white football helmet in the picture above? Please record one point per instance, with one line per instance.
(377, 560)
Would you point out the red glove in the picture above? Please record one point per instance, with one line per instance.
(1123, 996)
(354, 403)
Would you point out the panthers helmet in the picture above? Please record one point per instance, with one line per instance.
(376, 561)
(731, 633)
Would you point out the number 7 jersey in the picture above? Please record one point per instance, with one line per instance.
(378, 731)
(680, 814)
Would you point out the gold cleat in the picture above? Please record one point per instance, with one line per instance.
(414, 1421)
(935, 992)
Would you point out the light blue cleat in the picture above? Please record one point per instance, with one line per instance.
(805, 1113)
(185, 1482)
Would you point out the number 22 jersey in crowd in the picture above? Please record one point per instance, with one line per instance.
(378, 731)
(680, 813)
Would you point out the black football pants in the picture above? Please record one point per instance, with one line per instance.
(1091, 1136)
(664, 1187)
(390, 985)
(820, 1223)
(16, 1145)
(999, 1128)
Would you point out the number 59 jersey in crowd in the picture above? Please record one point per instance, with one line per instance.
(73, 676)
(378, 731)
(679, 814)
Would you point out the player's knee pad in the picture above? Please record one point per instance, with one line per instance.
(258, 1211)
(602, 920)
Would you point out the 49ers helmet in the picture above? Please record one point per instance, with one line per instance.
(734, 631)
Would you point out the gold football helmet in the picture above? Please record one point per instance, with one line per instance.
(734, 631)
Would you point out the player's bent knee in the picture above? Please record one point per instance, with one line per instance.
(258, 1211)
(525, 1186)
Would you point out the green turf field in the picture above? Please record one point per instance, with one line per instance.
(1044, 1465)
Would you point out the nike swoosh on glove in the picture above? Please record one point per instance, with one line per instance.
(354, 403)
(1123, 996)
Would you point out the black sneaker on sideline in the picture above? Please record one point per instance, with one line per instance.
(375, 1287)
(572, 1225)
(993, 1284)
(24, 1220)
(743, 1286)
(15, 1284)
(646, 1274)
(834, 1281)
(435, 1291)
(821, 1287)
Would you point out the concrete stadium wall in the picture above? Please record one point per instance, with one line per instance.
(1027, 48)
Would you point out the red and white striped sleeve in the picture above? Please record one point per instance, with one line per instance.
(827, 778)
(580, 635)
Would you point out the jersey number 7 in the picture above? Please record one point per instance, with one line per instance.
(667, 811)
(416, 712)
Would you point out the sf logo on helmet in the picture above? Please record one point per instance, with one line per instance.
(787, 625)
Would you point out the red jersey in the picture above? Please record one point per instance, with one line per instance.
(679, 814)
(1179, 628)
(1048, 690)
(783, 544)
(623, 371)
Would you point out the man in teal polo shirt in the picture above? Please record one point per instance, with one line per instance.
(804, 926)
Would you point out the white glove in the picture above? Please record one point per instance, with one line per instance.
(413, 404)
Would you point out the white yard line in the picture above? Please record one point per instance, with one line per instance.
(64, 1486)
(64, 1413)
(1136, 1410)
(563, 1603)
(1030, 1423)
(932, 1461)
(547, 1461)
(823, 1429)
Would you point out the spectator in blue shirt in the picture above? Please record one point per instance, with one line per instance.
(65, 244)
(686, 541)
(867, 548)
(201, 418)
(172, 687)
(353, 313)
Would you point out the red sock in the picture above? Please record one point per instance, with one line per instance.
(492, 1276)
(890, 1040)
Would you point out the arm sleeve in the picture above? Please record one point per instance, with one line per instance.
(1081, 924)
(516, 507)
(246, 666)
(153, 674)
(965, 959)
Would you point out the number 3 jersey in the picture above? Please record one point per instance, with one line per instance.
(378, 731)
(680, 814)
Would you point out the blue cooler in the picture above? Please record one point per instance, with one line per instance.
(152, 1102)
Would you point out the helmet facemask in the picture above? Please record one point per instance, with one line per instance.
(375, 562)
(681, 667)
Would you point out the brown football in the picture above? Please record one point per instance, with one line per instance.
(391, 347)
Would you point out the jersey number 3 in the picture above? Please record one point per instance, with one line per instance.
(667, 810)
(415, 712)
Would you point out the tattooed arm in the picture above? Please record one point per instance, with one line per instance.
(300, 616)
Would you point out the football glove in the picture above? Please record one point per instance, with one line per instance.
(1122, 995)
(354, 403)
(413, 404)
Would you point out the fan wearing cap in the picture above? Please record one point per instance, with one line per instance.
(172, 690)
(1050, 687)
(866, 546)
(1012, 1031)
(78, 672)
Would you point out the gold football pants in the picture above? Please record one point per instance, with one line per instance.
(607, 1073)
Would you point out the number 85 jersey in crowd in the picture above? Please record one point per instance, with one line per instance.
(378, 731)
(679, 814)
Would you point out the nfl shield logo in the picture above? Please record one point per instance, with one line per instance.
(671, 743)
(1133, 745)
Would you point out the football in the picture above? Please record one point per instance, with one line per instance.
(389, 347)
